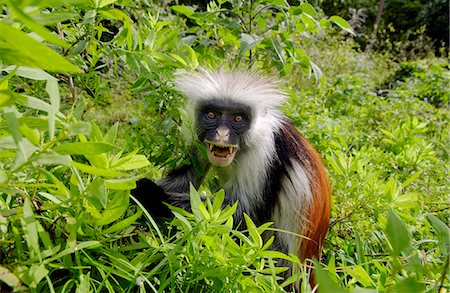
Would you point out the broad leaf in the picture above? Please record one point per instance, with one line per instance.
(17, 48)
(397, 233)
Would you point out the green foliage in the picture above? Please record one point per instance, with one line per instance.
(426, 81)
(407, 29)
(72, 146)
(269, 34)
(384, 150)
(206, 254)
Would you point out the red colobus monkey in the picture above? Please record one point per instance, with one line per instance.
(261, 159)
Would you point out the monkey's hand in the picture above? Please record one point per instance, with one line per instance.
(152, 197)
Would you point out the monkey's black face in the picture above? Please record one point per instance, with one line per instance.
(221, 125)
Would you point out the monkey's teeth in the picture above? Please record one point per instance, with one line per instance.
(211, 146)
(231, 149)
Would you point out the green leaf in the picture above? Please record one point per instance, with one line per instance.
(406, 200)
(219, 197)
(31, 134)
(185, 10)
(359, 249)
(30, 230)
(308, 21)
(53, 158)
(84, 148)
(248, 42)
(56, 3)
(5, 98)
(326, 284)
(28, 72)
(324, 23)
(227, 213)
(360, 275)
(45, 237)
(278, 50)
(35, 27)
(53, 91)
(96, 171)
(308, 9)
(204, 211)
(123, 224)
(32, 103)
(76, 247)
(133, 163)
(183, 221)
(80, 127)
(61, 188)
(17, 48)
(117, 206)
(253, 231)
(332, 268)
(24, 146)
(275, 254)
(121, 184)
(3, 177)
(442, 231)
(96, 193)
(111, 135)
(8, 277)
(52, 18)
(84, 285)
(195, 203)
(342, 23)
(103, 3)
(396, 233)
(32, 275)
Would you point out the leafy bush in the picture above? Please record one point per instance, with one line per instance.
(70, 146)
(425, 81)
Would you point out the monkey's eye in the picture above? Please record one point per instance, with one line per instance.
(210, 115)
(238, 118)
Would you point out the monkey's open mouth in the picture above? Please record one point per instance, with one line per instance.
(220, 155)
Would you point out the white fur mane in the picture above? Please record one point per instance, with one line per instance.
(252, 89)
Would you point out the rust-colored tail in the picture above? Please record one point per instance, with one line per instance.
(319, 211)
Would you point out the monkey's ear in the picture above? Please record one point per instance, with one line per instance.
(152, 197)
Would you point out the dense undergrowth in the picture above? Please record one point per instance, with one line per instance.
(74, 142)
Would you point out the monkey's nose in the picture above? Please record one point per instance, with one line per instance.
(222, 133)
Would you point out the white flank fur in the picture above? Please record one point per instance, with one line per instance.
(292, 207)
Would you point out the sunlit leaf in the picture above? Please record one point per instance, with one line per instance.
(443, 232)
(308, 9)
(36, 27)
(96, 170)
(52, 18)
(17, 48)
(248, 42)
(397, 233)
(342, 23)
(84, 148)
(30, 229)
(8, 277)
(186, 10)
(116, 207)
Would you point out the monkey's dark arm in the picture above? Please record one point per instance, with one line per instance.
(173, 189)
(152, 197)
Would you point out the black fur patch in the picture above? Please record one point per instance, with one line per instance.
(152, 196)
